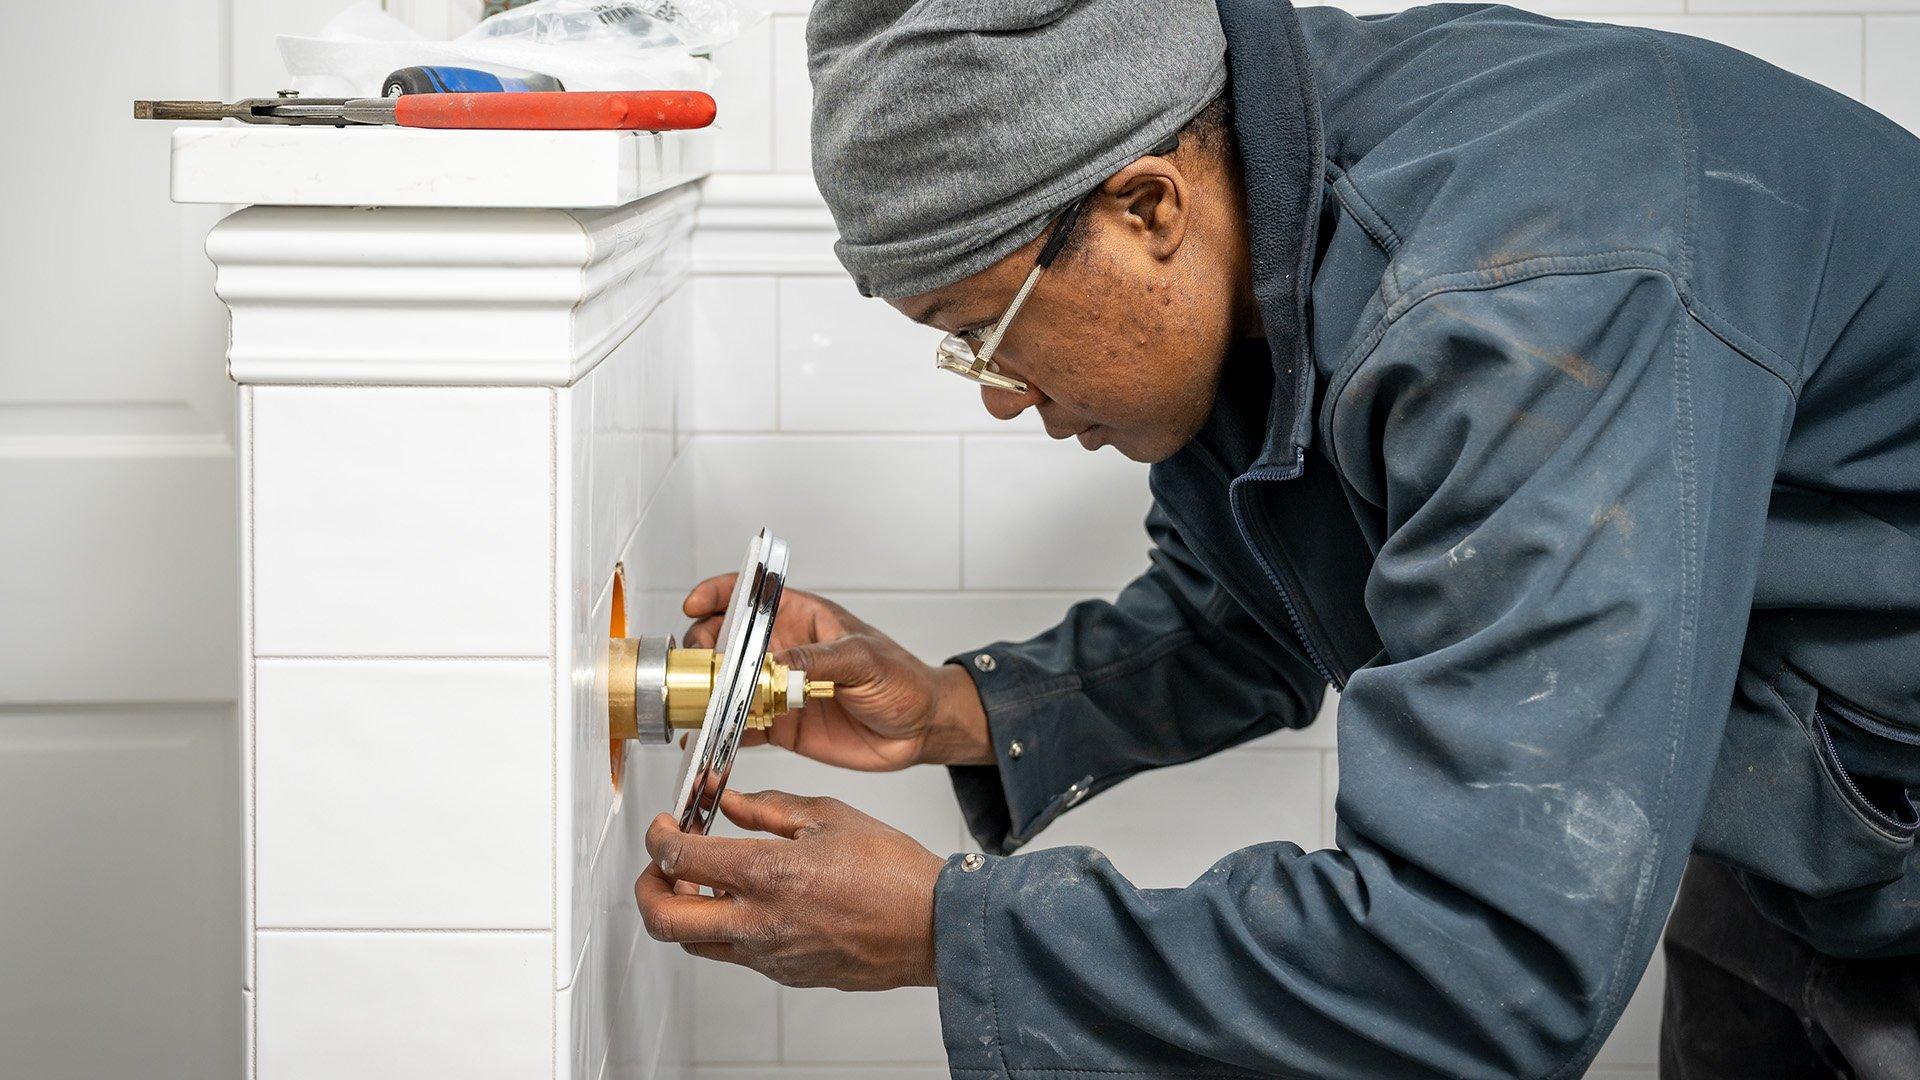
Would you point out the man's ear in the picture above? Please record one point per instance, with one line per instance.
(1149, 199)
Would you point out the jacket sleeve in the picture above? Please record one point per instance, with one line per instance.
(1574, 479)
(1172, 670)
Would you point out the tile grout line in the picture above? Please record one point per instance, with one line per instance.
(553, 697)
(407, 657)
(961, 518)
(519, 930)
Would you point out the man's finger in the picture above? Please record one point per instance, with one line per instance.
(717, 950)
(670, 915)
(709, 597)
(777, 812)
(703, 634)
(848, 661)
(723, 862)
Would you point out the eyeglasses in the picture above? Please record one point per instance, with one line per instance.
(956, 353)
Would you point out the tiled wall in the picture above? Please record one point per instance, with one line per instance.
(818, 415)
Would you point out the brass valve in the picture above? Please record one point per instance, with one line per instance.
(653, 687)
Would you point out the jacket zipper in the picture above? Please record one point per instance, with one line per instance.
(1867, 722)
(1889, 825)
(1281, 584)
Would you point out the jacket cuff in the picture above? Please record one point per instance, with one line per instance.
(1035, 775)
(969, 1019)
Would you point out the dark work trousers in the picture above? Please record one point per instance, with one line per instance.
(1748, 1001)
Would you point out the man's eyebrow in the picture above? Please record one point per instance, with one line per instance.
(933, 312)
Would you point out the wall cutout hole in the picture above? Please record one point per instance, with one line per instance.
(617, 628)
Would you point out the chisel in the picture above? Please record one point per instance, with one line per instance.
(628, 110)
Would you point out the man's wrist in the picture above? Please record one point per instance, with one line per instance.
(958, 733)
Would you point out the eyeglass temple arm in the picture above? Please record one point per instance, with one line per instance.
(985, 355)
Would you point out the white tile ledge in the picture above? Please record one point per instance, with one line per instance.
(442, 296)
(235, 163)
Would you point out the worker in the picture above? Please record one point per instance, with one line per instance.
(1552, 390)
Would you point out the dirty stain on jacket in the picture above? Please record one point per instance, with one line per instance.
(1583, 456)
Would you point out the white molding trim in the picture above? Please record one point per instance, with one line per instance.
(239, 164)
(764, 223)
(442, 296)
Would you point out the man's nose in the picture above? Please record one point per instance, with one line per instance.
(1005, 404)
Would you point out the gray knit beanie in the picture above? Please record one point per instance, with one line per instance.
(947, 132)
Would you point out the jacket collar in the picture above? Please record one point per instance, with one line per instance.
(1276, 119)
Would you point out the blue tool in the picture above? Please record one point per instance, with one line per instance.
(437, 79)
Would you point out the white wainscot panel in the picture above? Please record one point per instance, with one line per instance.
(477, 1006)
(1049, 515)
(401, 521)
(402, 793)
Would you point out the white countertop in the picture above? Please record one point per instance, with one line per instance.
(390, 166)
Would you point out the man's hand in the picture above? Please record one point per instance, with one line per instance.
(889, 710)
(838, 899)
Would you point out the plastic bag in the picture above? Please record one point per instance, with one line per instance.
(694, 25)
(353, 54)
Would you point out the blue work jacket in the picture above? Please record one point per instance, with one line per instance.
(1583, 456)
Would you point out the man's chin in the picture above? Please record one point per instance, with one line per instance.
(1145, 449)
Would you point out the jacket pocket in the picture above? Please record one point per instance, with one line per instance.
(1873, 761)
(1810, 792)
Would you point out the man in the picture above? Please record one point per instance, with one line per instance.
(1552, 390)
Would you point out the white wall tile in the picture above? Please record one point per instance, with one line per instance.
(476, 1006)
(874, 513)
(792, 96)
(734, 379)
(1145, 826)
(401, 521)
(1329, 795)
(851, 363)
(1893, 68)
(934, 626)
(1823, 49)
(1319, 735)
(1797, 7)
(1041, 514)
(736, 1013)
(900, 1025)
(820, 1073)
(401, 793)
(918, 802)
(743, 126)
